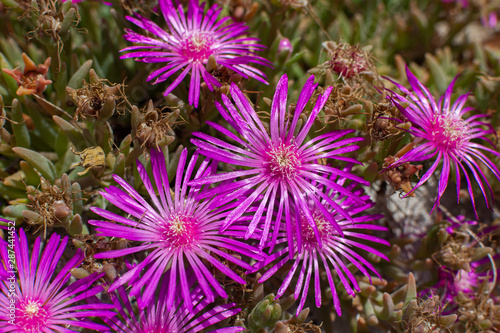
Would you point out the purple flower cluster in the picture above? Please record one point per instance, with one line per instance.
(282, 195)
(287, 201)
(333, 250)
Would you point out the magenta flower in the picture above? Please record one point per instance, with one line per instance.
(189, 43)
(446, 137)
(285, 46)
(453, 282)
(180, 233)
(490, 19)
(156, 317)
(279, 163)
(312, 257)
(32, 301)
(489, 14)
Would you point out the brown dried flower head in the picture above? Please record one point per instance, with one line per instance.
(54, 19)
(153, 128)
(348, 60)
(342, 102)
(455, 254)
(400, 177)
(426, 316)
(98, 98)
(385, 121)
(478, 312)
(224, 75)
(459, 250)
(50, 205)
(31, 80)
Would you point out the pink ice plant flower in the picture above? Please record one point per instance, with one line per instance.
(278, 162)
(453, 282)
(180, 232)
(490, 19)
(32, 300)
(188, 44)
(156, 317)
(445, 136)
(312, 258)
(489, 14)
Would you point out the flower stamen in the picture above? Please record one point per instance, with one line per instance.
(197, 45)
(325, 229)
(181, 231)
(282, 162)
(449, 131)
(31, 315)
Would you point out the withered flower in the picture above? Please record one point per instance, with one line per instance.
(90, 158)
(342, 102)
(349, 60)
(384, 121)
(53, 21)
(400, 178)
(97, 99)
(53, 205)
(226, 78)
(478, 312)
(426, 316)
(459, 251)
(152, 128)
(92, 245)
(33, 79)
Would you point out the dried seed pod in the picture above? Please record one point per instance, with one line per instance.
(342, 102)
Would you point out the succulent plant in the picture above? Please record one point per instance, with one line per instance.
(87, 133)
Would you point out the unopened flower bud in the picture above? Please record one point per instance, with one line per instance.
(79, 273)
(61, 210)
(110, 271)
(32, 217)
(121, 244)
(285, 46)
(265, 314)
